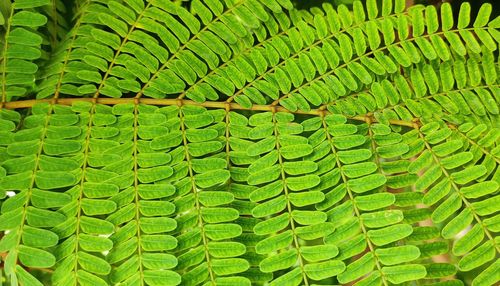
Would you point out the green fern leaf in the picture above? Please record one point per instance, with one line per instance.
(248, 142)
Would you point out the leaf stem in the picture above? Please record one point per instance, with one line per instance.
(209, 104)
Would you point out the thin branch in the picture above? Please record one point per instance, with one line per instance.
(208, 104)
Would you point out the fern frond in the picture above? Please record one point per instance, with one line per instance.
(431, 90)
(454, 175)
(56, 78)
(20, 46)
(346, 73)
(208, 234)
(30, 214)
(57, 21)
(201, 38)
(375, 226)
(246, 142)
(281, 178)
(209, 47)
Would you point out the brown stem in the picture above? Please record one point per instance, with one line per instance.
(209, 104)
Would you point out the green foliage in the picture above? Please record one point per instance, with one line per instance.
(248, 142)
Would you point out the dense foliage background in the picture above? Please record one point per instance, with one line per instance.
(249, 142)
